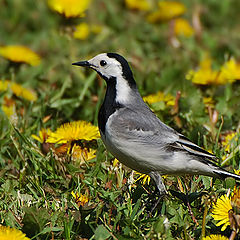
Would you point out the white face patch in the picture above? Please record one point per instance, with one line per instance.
(112, 68)
(123, 90)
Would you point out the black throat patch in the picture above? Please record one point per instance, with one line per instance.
(109, 105)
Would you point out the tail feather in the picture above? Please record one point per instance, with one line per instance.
(224, 174)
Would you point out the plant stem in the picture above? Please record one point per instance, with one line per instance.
(204, 220)
(233, 235)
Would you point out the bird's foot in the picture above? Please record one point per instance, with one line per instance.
(160, 197)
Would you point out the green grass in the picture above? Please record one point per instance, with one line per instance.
(35, 189)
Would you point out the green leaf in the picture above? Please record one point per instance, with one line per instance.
(206, 181)
(102, 233)
(34, 220)
(230, 183)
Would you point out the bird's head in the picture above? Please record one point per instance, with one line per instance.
(114, 69)
(110, 66)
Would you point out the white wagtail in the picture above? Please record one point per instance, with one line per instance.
(134, 134)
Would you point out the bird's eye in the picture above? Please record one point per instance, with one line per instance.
(103, 63)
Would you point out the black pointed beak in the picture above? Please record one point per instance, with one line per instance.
(82, 64)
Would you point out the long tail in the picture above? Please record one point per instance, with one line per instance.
(224, 174)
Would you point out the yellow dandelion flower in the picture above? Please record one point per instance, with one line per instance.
(160, 97)
(82, 31)
(115, 162)
(143, 177)
(169, 100)
(205, 74)
(4, 85)
(9, 108)
(206, 63)
(43, 135)
(208, 102)
(18, 53)
(21, 91)
(78, 130)
(183, 28)
(7, 233)
(81, 199)
(231, 70)
(215, 237)
(229, 140)
(69, 8)
(142, 5)
(221, 210)
(236, 171)
(167, 11)
(82, 154)
(18, 90)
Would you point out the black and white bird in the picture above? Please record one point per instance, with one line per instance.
(134, 134)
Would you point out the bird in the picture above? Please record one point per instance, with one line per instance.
(134, 135)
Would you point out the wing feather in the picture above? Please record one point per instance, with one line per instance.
(195, 149)
(146, 129)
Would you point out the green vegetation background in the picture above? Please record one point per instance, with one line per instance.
(35, 190)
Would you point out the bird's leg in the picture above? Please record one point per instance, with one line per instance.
(160, 185)
(159, 182)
